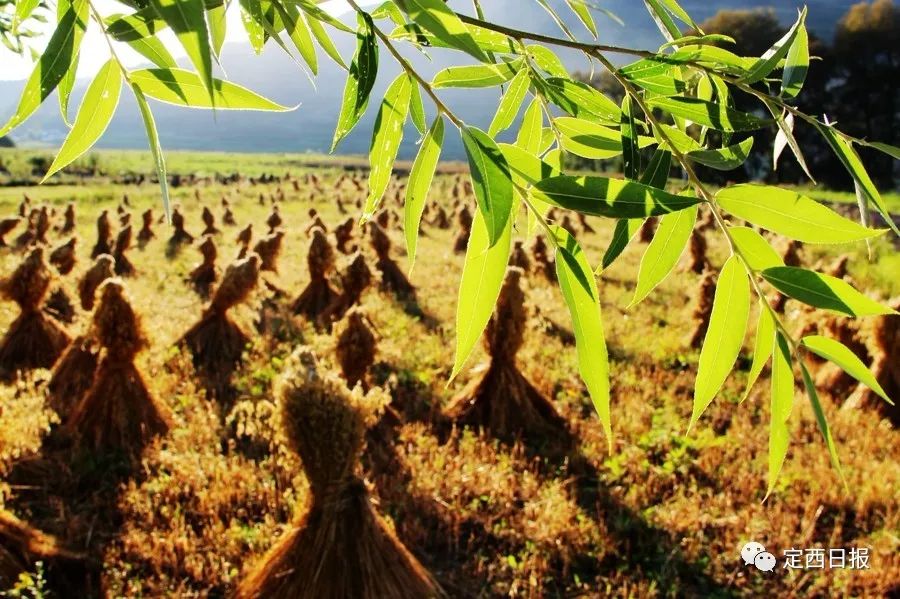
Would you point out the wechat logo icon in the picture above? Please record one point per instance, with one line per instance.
(755, 554)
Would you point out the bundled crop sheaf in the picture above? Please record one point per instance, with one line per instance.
(393, 279)
(104, 236)
(216, 342)
(63, 256)
(103, 268)
(33, 340)
(340, 546)
(117, 413)
(206, 273)
(318, 294)
(501, 399)
(21, 546)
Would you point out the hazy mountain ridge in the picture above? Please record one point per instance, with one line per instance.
(310, 127)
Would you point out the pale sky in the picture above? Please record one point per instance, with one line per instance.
(95, 52)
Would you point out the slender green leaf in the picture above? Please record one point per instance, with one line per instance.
(655, 175)
(782, 403)
(725, 335)
(53, 64)
(317, 14)
(185, 88)
(762, 349)
(139, 24)
(360, 80)
(631, 153)
(657, 75)
(544, 58)
(664, 251)
(420, 178)
(758, 253)
(97, 108)
(786, 137)
(892, 151)
(386, 137)
(823, 291)
(318, 31)
(24, 8)
(491, 180)
(584, 15)
(768, 62)
(791, 214)
(67, 83)
(835, 351)
(796, 64)
(529, 137)
(709, 114)
(187, 19)
(440, 20)
(479, 288)
(417, 108)
(579, 288)
(217, 27)
(155, 51)
(485, 75)
(300, 35)
(851, 161)
(663, 20)
(155, 148)
(526, 168)
(822, 421)
(511, 103)
(725, 159)
(579, 99)
(601, 196)
(489, 41)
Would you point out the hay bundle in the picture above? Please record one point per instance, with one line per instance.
(268, 250)
(585, 226)
(838, 268)
(697, 261)
(790, 253)
(205, 273)
(102, 269)
(354, 281)
(6, 226)
(343, 235)
(392, 277)
(27, 236)
(42, 225)
(124, 267)
(341, 547)
(180, 235)
(59, 306)
(885, 347)
(146, 233)
(104, 236)
(440, 219)
(274, 221)
(63, 256)
(117, 413)
(519, 257)
(645, 233)
(124, 219)
(21, 546)
(464, 220)
(355, 349)
(209, 222)
(541, 257)
(69, 219)
(33, 340)
(315, 222)
(501, 399)
(703, 303)
(228, 217)
(318, 294)
(245, 236)
(383, 218)
(72, 375)
(216, 342)
(24, 206)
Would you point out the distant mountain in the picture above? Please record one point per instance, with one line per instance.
(310, 127)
